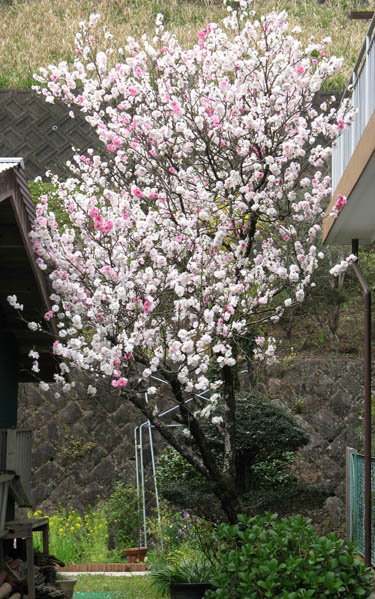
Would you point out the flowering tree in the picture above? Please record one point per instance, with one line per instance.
(196, 224)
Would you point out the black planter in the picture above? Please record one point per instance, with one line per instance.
(189, 590)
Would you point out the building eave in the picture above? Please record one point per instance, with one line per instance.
(352, 222)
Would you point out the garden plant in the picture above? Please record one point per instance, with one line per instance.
(192, 223)
(266, 557)
(77, 539)
(123, 515)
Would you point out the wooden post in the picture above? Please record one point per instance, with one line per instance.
(30, 567)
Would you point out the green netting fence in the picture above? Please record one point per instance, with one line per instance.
(356, 508)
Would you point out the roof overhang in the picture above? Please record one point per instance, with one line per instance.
(19, 274)
(357, 219)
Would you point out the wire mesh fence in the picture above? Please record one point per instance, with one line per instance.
(356, 511)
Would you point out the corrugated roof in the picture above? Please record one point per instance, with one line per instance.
(7, 163)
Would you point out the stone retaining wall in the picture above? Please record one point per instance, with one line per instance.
(84, 446)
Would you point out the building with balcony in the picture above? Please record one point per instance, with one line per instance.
(353, 158)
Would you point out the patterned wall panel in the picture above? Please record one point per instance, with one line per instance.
(41, 133)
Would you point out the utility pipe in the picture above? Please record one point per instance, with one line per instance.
(367, 405)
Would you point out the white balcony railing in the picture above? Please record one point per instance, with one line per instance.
(361, 88)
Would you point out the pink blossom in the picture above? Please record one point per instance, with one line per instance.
(108, 226)
(48, 315)
(146, 306)
(340, 202)
(137, 192)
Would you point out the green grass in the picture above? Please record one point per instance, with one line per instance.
(128, 587)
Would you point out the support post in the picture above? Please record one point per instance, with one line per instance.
(367, 404)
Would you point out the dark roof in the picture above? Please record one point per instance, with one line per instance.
(19, 273)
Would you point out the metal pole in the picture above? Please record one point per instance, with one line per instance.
(143, 483)
(367, 407)
(154, 469)
(136, 449)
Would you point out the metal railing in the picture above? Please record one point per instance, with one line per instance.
(361, 91)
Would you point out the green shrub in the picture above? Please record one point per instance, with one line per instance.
(264, 557)
(123, 514)
(266, 439)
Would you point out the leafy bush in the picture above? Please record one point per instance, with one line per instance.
(266, 439)
(122, 509)
(263, 557)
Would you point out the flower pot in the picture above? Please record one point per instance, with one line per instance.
(135, 554)
(189, 590)
(67, 585)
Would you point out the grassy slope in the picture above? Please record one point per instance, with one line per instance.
(34, 33)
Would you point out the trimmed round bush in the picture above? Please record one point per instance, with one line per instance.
(265, 557)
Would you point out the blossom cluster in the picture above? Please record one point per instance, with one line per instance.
(197, 221)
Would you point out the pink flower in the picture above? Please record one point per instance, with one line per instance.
(146, 306)
(48, 315)
(108, 226)
(122, 382)
(94, 213)
(133, 91)
(340, 124)
(300, 69)
(137, 192)
(175, 107)
(286, 238)
(341, 202)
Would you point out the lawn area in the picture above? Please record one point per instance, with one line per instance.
(126, 587)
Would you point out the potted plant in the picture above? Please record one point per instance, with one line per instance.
(66, 584)
(187, 578)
